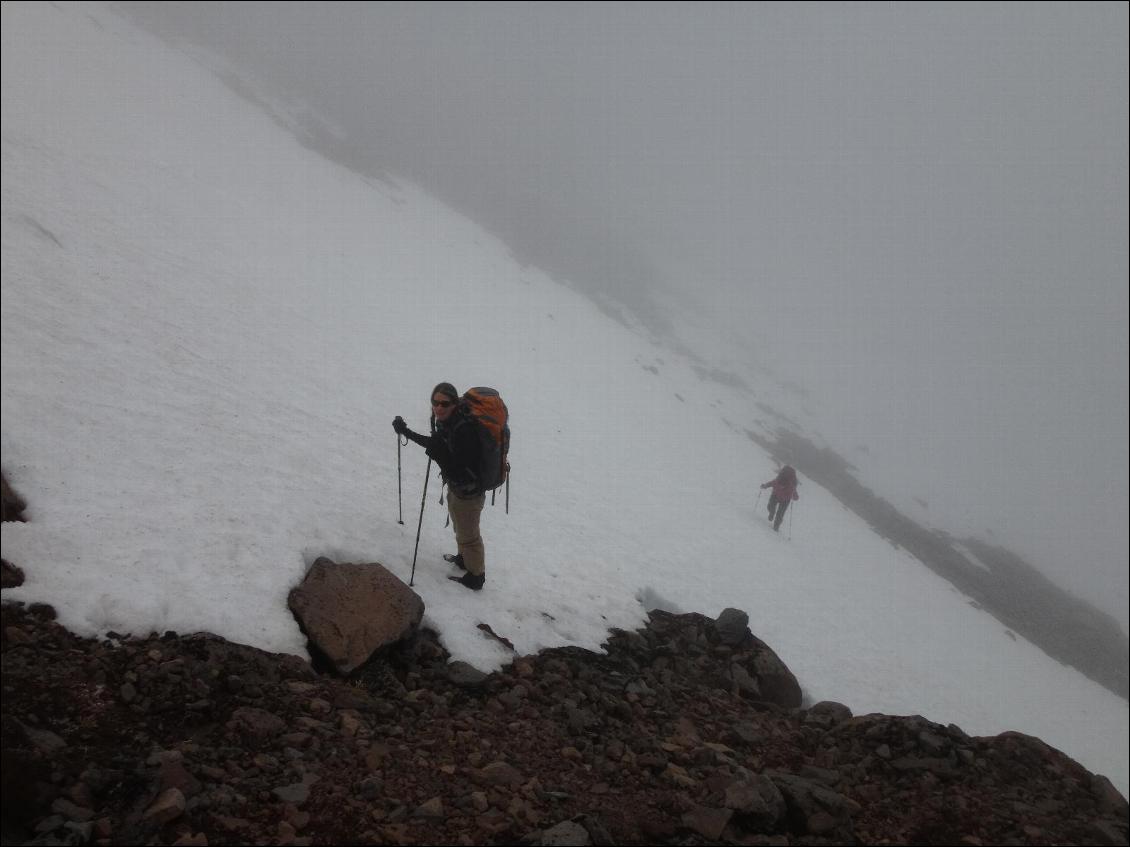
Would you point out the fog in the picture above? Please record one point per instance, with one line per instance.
(917, 213)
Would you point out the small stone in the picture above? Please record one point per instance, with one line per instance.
(168, 806)
(502, 773)
(709, 823)
(71, 811)
(430, 809)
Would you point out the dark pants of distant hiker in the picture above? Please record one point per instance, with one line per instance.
(465, 512)
(779, 506)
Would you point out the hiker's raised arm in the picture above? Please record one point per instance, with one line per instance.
(401, 428)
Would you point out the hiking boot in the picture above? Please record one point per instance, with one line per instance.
(470, 580)
(455, 559)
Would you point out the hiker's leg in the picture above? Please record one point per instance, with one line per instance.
(772, 505)
(465, 512)
(781, 506)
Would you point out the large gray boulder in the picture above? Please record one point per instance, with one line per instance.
(350, 611)
(732, 627)
(775, 680)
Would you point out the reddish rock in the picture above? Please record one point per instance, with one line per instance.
(350, 611)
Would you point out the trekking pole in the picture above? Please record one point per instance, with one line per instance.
(447, 521)
(793, 509)
(758, 503)
(423, 499)
(399, 497)
(508, 492)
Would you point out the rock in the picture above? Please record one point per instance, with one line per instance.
(198, 839)
(758, 800)
(1108, 831)
(296, 793)
(12, 505)
(465, 675)
(10, 575)
(256, 722)
(43, 611)
(430, 809)
(917, 763)
(502, 773)
(45, 740)
(776, 681)
(82, 832)
(168, 806)
(709, 823)
(744, 682)
(350, 611)
(350, 722)
(732, 627)
(932, 743)
(746, 734)
(174, 775)
(813, 808)
(828, 713)
(71, 811)
(15, 635)
(1109, 800)
(564, 834)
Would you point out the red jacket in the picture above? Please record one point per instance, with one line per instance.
(785, 484)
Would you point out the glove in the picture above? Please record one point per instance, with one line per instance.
(399, 425)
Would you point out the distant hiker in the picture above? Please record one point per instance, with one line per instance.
(457, 445)
(784, 487)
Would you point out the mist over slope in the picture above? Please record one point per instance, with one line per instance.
(914, 215)
(1017, 594)
(207, 329)
(791, 422)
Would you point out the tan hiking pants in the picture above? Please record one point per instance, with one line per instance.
(465, 512)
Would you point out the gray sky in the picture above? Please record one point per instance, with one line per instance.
(917, 211)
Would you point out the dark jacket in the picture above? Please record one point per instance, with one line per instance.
(456, 448)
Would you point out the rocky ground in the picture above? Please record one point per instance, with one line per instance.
(685, 732)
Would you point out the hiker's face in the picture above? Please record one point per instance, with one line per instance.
(442, 407)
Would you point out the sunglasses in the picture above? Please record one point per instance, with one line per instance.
(442, 404)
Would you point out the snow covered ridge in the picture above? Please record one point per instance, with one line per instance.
(208, 329)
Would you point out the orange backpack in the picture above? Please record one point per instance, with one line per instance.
(484, 407)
